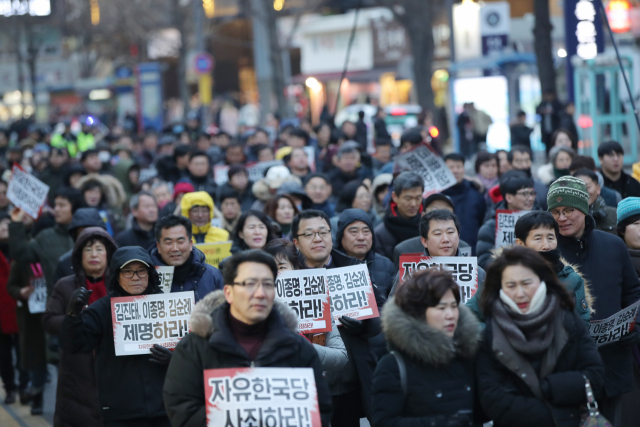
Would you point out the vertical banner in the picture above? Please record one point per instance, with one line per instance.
(27, 192)
(351, 293)
(506, 226)
(428, 165)
(215, 252)
(141, 321)
(166, 277)
(305, 292)
(613, 328)
(261, 397)
(463, 269)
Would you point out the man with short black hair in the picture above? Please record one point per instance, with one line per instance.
(174, 248)
(611, 156)
(230, 209)
(348, 167)
(238, 181)
(298, 163)
(470, 206)
(611, 197)
(520, 158)
(318, 188)
(238, 327)
(199, 173)
(402, 218)
(298, 138)
(519, 194)
(91, 161)
(145, 214)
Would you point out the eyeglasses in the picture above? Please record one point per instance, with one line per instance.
(568, 213)
(252, 284)
(311, 234)
(526, 194)
(128, 274)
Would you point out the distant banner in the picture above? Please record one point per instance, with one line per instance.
(141, 321)
(305, 292)
(38, 299)
(430, 166)
(613, 328)
(27, 192)
(506, 226)
(166, 277)
(257, 170)
(215, 252)
(261, 397)
(351, 293)
(221, 174)
(463, 269)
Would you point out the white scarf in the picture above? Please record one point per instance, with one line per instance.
(536, 301)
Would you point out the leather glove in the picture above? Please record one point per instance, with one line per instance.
(79, 298)
(462, 418)
(353, 326)
(160, 354)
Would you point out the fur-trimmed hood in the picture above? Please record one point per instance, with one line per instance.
(112, 188)
(261, 189)
(201, 321)
(430, 346)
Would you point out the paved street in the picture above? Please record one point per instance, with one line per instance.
(17, 415)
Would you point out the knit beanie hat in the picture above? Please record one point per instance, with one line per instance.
(568, 191)
(628, 207)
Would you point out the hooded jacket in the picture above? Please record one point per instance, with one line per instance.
(202, 278)
(136, 236)
(115, 197)
(440, 372)
(605, 263)
(212, 345)
(470, 207)
(395, 229)
(207, 233)
(129, 387)
(77, 392)
(379, 181)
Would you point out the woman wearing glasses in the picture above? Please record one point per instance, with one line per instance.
(129, 387)
(77, 395)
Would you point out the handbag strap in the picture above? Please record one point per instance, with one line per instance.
(403, 371)
(592, 405)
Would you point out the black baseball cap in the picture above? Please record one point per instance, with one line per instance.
(437, 196)
(127, 255)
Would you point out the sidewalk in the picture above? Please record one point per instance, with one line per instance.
(17, 415)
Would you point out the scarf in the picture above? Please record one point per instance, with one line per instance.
(553, 258)
(97, 286)
(181, 273)
(528, 334)
(400, 227)
(559, 173)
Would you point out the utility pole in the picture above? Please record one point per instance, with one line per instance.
(262, 55)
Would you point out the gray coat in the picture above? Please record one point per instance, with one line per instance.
(334, 359)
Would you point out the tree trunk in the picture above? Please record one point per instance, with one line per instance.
(17, 39)
(276, 62)
(180, 24)
(544, 46)
(33, 48)
(422, 46)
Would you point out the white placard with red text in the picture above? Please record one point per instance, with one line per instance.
(613, 328)
(166, 277)
(351, 293)
(506, 226)
(306, 293)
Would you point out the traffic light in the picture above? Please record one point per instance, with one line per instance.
(209, 7)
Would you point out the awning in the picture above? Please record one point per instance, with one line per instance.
(493, 61)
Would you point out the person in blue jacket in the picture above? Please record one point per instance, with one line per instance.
(175, 248)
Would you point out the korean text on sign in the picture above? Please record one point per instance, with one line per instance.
(506, 226)
(614, 328)
(463, 269)
(166, 277)
(351, 293)
(215, 252)
(142, 321)
(27, 192)
(306, 293)
(261, 397)
(430, 167)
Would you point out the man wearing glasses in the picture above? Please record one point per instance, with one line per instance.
(240, 326)
(311, 232)
(519, 194)
(605, 263)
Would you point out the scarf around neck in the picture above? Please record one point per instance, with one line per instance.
(400, 227)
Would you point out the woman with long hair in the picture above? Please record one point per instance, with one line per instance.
(282, 209)
(537, 353)
(253, 231)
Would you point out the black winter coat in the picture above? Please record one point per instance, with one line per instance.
(470, 208)
(246, 199)
(211, 345)
(605, 263)
(486, 241)
(136, 236)
(627, 186)
(509, 401)
(440, 375)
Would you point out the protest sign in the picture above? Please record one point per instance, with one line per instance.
(261, 397)
(38, 299)
(463, 269)
(305, 292)
(351, 293)
(613, 328)
(166, 277)
(506, 226)
(311, 157)
(256, 171)
(221, 174)
(27, 192)
(141, 321)
(430, 166)
(147, 174)
(215, 252)
(466, 251)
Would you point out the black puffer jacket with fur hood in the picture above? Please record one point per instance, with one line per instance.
(211, 345)
(440, 372)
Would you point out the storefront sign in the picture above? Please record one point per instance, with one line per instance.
(583, 28)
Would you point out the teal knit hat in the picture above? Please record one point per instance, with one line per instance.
(628, 208)
(569, 191)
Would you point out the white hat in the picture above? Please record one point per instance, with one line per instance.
(276, 175)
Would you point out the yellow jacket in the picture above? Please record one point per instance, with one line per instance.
(202, 198)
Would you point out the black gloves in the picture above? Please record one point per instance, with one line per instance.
(353, 326)
(160, 354)
(462, 418)
(79, 298)
(631, 339)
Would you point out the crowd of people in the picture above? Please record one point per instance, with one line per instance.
(518, 353)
